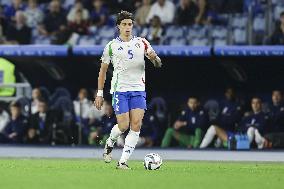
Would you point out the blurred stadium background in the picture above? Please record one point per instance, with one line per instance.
(223, 53)
(50, 57)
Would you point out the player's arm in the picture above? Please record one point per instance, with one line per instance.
(101, 83)
(154, 58)
(151, 54)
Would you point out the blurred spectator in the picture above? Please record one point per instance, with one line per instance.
(55, 20)
(99, 14)
(15, 131)
(165, 9)
(142, 12)
(101, 130)
(150, 130)
(276, 112)
(19, 32)
(10, 11)
(201, 17)
(95, 114)
(225, 124)
(82, 108)
(36, 95)
(186, 12)
(33, 14)
(4, 119)
(255, 124)
(116, 6)
(78, 6)
(154, 32)
(79, 25)
(277, 37)
(187, 130)
(42, 124)
(3, 25)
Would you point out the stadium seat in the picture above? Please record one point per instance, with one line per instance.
(219, 41)
(199, 41)
(107, 32)
(239, 20)
(177, 41)
(219, 31)
(239, 36)
(25, 106)
(136, 31)
(104, 41)
(277, 11)
(259, 23)
(59, 92)
(68, 4)
(174, 31)
(6, 2)
(212, 107)
(87, 40)
(196, 31)
(65, 105)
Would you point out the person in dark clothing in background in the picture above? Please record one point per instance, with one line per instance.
(276, 113)
(186, 12)
(99, 14)
(19, 32)
(15, 131)
(10, 10)
(277, 37)
(254, 125)
(230, 114)
(54, 23)
(41, 124)
(101, 129)
(188, 128)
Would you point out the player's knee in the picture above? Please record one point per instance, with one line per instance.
(123, 126)
(136, 125)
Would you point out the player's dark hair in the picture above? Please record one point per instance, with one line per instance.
(282, 14)
(123, 15)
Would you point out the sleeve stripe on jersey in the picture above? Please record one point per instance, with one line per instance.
(110, 50)
(145, 45)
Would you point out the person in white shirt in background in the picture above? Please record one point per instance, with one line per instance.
(164, 9)
(36, 94)
(82, 106)
(33, 14)
(4, 119)
(78, 6)
(95, 114)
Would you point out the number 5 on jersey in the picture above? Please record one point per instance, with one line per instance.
(130, 54)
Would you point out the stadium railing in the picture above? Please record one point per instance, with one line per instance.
(94, 50)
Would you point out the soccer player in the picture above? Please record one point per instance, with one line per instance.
(126, 53)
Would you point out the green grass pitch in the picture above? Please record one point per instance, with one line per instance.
(95, 174)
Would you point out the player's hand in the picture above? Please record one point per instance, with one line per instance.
(178, 125)
(99, 102)
(152, 55)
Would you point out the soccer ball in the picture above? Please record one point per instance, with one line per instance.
(152, 161)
